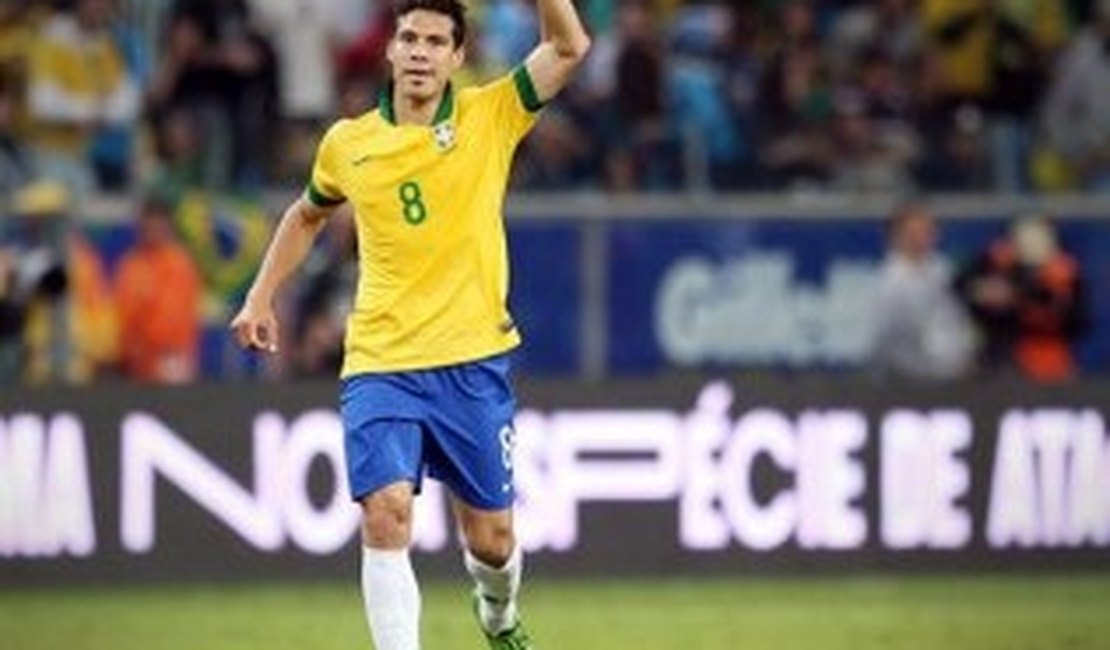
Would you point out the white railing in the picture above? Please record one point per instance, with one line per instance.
(606, 206)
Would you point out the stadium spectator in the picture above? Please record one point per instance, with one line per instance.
(349, 17)
(18, 22)
(572, 150)
(889, 27)
(863, 161)
(19, 26)
(11, 320)
(879, 131)
(1027, 296)
(363, 57)
(16, 166)
(113, 147)
(795, 113)
(37, 237)
(872, 154)
(158, 295)
(921, 331)
(1077, 110)
(180, 162)
(743, 68)
(991, 50)
(509, 30)
(641, 147)
(93, 323)
(994, 56)
(885, 92)
(306, 39)
(796, 22)
(712, 129)
(55, 305)
(955, 156)
(78, 81)
(223, 71)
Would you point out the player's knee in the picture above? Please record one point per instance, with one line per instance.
(387, 517)
(491, 542)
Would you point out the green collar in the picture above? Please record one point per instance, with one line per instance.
(443, 112)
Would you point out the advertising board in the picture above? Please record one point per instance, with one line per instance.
(683, 476)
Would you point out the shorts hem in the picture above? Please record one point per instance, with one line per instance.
(370, 487)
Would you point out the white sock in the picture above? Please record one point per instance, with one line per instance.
(497, 589)
(392, 599)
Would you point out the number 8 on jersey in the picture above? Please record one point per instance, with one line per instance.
(412, 203)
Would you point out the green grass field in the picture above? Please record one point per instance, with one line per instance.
(1003, 613)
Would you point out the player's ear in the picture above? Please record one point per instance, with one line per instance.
(458, 57)
(391, 50)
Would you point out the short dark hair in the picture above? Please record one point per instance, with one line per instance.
(453, 9)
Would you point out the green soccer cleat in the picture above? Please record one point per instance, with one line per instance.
(514, 638)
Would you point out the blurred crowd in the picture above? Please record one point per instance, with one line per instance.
(850, 95)
(198, 106)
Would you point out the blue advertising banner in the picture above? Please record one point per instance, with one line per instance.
(785, 293)
(545, 297)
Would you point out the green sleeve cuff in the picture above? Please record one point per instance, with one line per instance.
(526, 89)
(319, 199)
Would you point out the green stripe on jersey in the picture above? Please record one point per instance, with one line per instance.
(526, 89)
(319, 199)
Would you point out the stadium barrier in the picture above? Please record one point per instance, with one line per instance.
(680, 476)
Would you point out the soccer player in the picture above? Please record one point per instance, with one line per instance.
(425, 380)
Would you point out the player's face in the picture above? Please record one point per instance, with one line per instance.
(423, 54)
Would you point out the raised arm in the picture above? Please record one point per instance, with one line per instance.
(563, 45)
(256, 326)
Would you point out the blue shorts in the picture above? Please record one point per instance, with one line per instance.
(453, 423)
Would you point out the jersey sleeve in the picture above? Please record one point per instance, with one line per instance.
(323, 187)
(513, 102)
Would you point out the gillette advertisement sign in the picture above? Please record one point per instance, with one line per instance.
(793, 294)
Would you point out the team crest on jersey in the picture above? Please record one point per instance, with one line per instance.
(445, 136)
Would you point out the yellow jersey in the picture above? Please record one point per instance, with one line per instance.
(433, 263)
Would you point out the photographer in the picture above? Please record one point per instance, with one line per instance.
(1027, 297)
(27, 279)
(11, 320)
